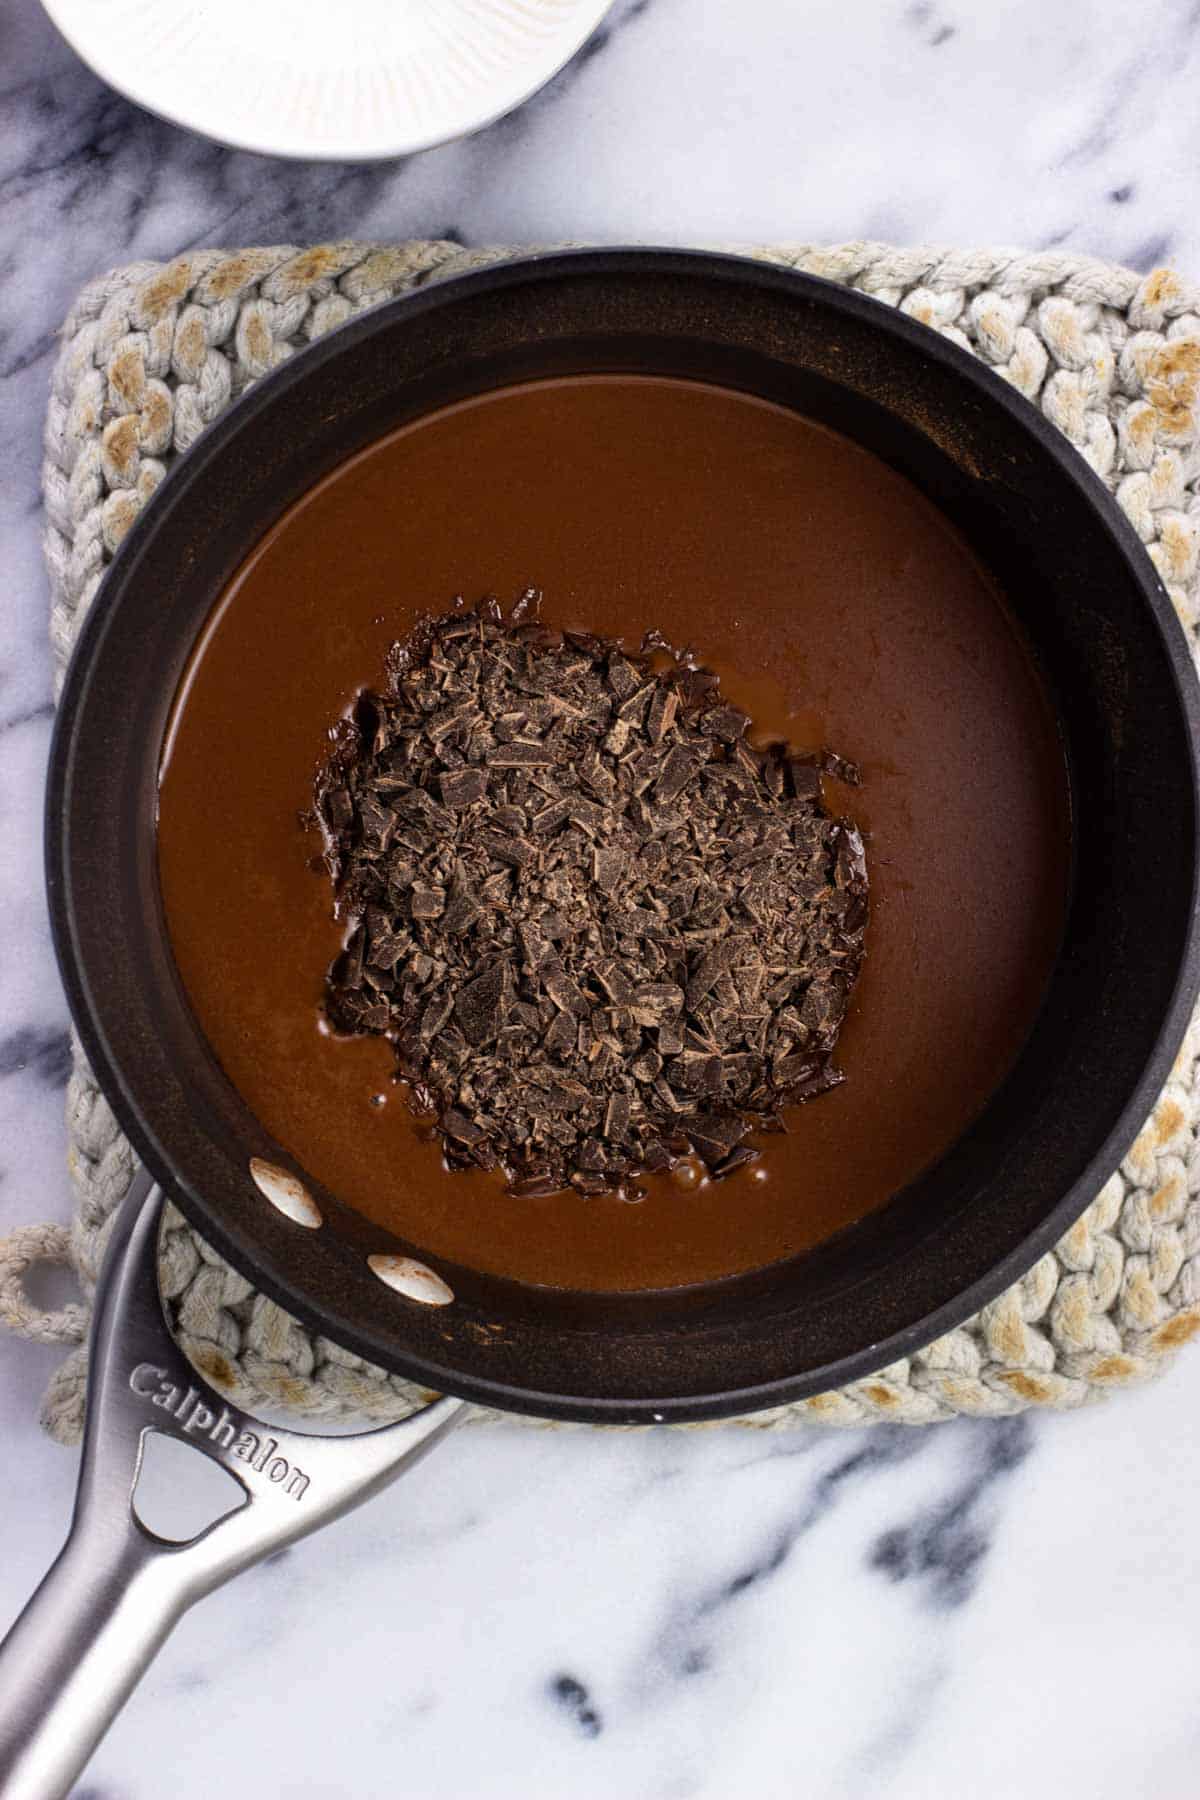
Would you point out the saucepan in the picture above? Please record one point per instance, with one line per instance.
(1116, 661)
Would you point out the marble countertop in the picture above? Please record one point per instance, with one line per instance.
(994, 1610)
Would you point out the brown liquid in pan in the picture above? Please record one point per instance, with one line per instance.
(839, 608)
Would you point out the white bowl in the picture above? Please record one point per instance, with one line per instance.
(339, 79)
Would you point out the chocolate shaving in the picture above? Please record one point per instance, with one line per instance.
(601, 928)
(461, 788)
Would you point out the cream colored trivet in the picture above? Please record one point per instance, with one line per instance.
(152, 353)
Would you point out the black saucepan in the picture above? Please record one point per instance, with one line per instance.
(1098, 620)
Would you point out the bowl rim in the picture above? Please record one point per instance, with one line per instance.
(112, 55)
(721, 1401)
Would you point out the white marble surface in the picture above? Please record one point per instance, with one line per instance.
(994, 1610)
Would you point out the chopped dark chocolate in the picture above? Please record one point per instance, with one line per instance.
(603, 931)
(461, 788)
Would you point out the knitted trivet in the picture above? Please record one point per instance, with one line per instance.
(153, 353)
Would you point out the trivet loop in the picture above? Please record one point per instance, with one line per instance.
(117, 1589)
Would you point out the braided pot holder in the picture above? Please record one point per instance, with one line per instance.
(152, 353)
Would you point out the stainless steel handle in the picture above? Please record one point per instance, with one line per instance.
(77, 1651)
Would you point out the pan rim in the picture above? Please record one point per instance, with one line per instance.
(723, 1400)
